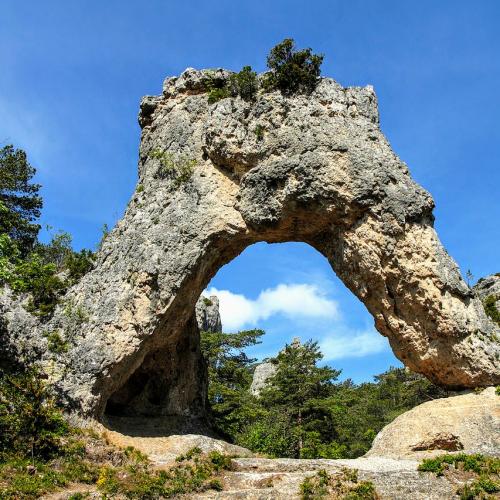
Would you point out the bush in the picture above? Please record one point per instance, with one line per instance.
(179, 168)
(345, 485)
(491, 309)
(244, 83)
(30, 424)
(40, 280)
(292, 70)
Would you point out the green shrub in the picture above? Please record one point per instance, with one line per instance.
(30, 424)
(40, 280)
(259, 132)
(207, 301)
(244, 84)
(194, 472)
(216, 94)
(179, 168)
(475, 463)
(55, 343)
(344, 485)
(292, 70)
(491, 309)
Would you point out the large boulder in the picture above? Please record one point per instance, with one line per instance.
(216, 178)
(468, 423)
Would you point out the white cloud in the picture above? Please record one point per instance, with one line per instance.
(296, 300)
(349, 344)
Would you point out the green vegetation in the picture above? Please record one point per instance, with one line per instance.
(193, 472)
(42, 271)
(344, 485)
(55, 343)
(491, 308)
(243, 84)
(30, 425)
(303, 412)
(207, 301)
(291, 71)
(20, 201)
(40, 453)
(486, 472)
(230, 377)
(179, 168)
(259, 132)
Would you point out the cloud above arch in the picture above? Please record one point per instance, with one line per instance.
(291, 300)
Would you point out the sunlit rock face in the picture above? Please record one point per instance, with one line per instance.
(216, 178)
(467, 422)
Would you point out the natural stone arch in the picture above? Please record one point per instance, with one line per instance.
(322, 174)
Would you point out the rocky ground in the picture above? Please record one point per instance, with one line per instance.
(473, 419)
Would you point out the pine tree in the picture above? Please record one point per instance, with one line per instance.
(299, 389)
(20, 202)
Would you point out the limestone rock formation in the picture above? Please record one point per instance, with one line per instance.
(265, 370)
(319, 171)
(469, 423)
(280, 479)
(487, 287)
(260, 376)
(208, 315)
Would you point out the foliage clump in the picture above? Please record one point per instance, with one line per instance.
(43, 271)
(344, 485)
(292, 70)
(491, 309)
(20, 200)
(243, 84)
(179, 168)
(55, 342)
(207, 302)
(194, 472)
(486, 472)
(259, 132)
(30, 424)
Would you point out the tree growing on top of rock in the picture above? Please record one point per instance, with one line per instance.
(292, 70)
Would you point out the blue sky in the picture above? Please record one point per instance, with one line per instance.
(73, 73)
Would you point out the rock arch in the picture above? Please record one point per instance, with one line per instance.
(318, 170)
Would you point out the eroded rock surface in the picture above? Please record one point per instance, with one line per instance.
(469, 423)
(265, 479)
(210, 185)
(262, 373)
(208, 315)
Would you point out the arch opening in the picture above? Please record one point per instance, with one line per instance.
(171, 380)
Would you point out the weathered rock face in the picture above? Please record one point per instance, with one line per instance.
(469, 423)
(208, 315)
(321, 173)
(260, 376)
(489, 286)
